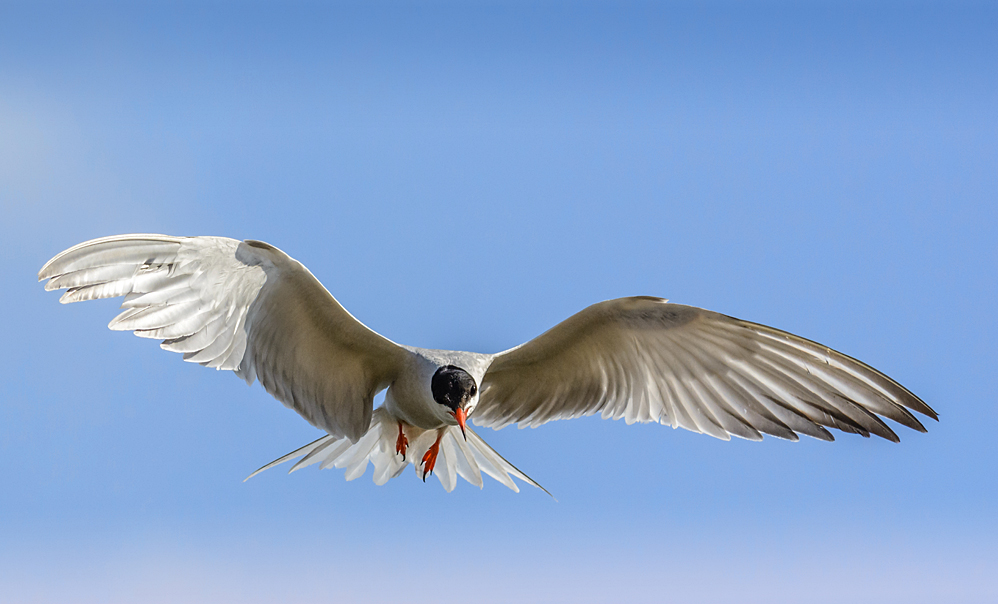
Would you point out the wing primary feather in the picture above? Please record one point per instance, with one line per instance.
(754, 412)
(90, 276)
(859, 392)
(859, 413)
(817, 407)
(874, 378)
(117, 249)
(787, 385)
(842, 408)
(792, 367)
(793, 417)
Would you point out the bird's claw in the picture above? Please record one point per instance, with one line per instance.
(401, 443)
(430, 458)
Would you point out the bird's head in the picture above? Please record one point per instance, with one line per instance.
(455, 389)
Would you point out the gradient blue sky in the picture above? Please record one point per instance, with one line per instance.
(829, 169)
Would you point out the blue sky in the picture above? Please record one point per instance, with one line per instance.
(826, 168)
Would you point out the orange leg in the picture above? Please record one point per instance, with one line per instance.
(401, 443)
(430, 458)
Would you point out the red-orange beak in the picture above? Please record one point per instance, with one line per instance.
(461, 417)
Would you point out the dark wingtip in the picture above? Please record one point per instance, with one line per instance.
(920, 406)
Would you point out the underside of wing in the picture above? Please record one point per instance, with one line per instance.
(643, 359)
(241, 306)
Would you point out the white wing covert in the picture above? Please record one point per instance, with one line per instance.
(243, 306)
(643, 359)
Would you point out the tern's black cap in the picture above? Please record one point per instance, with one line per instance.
(453, 387)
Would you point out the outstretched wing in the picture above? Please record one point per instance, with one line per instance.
(242, 306)
(643, 359)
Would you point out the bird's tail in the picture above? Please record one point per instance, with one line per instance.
(456, 457)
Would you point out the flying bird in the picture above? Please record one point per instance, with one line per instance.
(247, 307)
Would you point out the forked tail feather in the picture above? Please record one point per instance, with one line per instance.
(456, 458)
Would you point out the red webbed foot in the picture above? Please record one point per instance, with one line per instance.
(430, 457)
(401, 443)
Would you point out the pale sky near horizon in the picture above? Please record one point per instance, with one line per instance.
(466, 177)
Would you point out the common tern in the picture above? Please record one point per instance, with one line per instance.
(247, 307)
